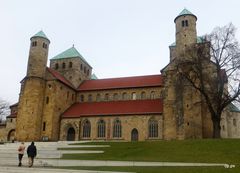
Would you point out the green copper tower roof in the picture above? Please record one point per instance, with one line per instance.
(70, 53)
(185, 12)
(233, 108)
(40, 34)
(94, 77)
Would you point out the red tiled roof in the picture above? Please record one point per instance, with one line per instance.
(130, 107)
(59, 77)
(124, 82)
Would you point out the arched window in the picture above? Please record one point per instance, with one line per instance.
(82, 98)
(44, 45)
(234, 122)
(143, 95)
(98, 97)
(63, 65)
(70, 65)
(134, 96)
(86, 129)
(106, 97)
(34, 43)
(90, 97)
(115, 96)
(183, 23)
(101, 129)
(56, 66)
(152, 95)
(117, 129)
(124, 96)
(152, 128)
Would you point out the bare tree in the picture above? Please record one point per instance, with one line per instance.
(213, 69)
(4, 109)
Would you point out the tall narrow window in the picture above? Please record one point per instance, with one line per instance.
(88, 72)
(117, 129)
(101, 129)
(44, 126)
(152, 128)
(81, 67)
(47, 100)
(186, 22)
(134, 96)
(234, 122)
(70, 65)
(86, 129)
(183, 23)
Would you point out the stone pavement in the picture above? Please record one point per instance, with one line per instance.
(48, 156)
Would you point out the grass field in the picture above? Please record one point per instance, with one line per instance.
(206, 151)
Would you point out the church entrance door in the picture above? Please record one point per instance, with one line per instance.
(71, 134)
(134, 135)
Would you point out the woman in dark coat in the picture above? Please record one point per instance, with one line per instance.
(31, 152)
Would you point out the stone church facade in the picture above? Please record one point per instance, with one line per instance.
(67, 102)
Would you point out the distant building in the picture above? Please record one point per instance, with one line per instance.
(67, 102)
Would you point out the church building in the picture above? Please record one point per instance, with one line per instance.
(66, 101)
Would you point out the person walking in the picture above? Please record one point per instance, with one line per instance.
(21, 150)
(32, 153)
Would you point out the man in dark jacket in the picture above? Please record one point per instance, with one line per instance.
(31, 152)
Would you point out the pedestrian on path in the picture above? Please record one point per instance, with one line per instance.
(21, 150)
(32, 153)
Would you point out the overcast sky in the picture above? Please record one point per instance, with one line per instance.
(117, 37)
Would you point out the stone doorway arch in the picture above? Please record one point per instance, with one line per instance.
(134, 135)
(11, 135)
(71, 134)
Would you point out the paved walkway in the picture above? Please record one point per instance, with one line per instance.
(48, 156)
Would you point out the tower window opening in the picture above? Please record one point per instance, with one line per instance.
(70, 65)
(44, 45)
(56, 66)
(63, 65)
(183, 24)
(34, 43)
(81, 67)
(186, 22)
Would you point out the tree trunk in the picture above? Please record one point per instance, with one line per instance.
(216, 129)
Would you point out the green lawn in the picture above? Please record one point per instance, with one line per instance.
(207, 151)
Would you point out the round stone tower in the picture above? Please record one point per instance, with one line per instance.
(38, 55)
(186, 33)
(32, 94)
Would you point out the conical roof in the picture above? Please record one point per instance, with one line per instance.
(40, 34)
(185, 12)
